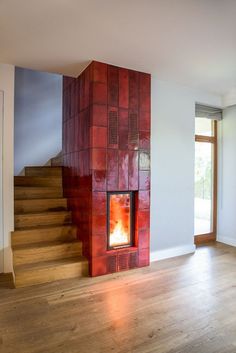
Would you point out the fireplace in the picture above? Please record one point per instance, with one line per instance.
(106, 155)
(120, 207)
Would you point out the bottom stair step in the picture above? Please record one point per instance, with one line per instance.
(48, 271)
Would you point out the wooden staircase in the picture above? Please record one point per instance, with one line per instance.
(44, 242)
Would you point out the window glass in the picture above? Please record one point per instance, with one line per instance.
(204, 127)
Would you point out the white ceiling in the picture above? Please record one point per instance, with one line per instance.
(192, 42)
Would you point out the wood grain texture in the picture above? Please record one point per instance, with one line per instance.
(181, 305)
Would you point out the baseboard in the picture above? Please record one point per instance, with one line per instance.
(172, 252)
(226, 240)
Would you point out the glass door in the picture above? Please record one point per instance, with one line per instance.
(205, 180)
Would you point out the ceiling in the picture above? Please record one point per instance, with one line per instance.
(192, 42)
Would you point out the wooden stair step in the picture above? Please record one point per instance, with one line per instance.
(27, 193)
(55, 181)
(44, 234)
(48, 271)
(44, 218)
(40, 205)
(43, 171)
(39, 252)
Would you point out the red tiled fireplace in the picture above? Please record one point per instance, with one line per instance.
(106, 154)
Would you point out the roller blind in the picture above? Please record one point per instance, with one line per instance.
(203, 111)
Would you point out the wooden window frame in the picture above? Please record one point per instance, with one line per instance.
(205, 238)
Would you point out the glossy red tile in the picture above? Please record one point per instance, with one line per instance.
(98, 137)
(123, 170)
(99, 115)
(144, 140)
(98, 266)
(99, 202)
(98, 158)
(124, 119)
(113, 85)
(144, 199)
(99, 72)
(99, 93)
(133, 90)
(99, 180)
(112, 169)
(123, 88)
(133, 170)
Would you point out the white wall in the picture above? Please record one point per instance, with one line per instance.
(38, 117)
(7, 86)
(172, 167)
(227, 177)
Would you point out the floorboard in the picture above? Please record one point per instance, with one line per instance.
(181, 305)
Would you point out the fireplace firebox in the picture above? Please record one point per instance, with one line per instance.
(120, 207)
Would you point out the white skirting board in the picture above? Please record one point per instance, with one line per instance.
(227, 240)
(172, 252)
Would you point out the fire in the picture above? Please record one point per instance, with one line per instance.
(119, 235)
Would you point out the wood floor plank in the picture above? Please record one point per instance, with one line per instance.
(181, 305)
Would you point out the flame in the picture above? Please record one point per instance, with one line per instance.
(119, 235)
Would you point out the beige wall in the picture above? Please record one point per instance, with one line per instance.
(7, 73)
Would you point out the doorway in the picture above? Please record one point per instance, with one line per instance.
(205, 201)
(1, 187)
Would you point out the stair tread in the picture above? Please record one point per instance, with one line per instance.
(44, 213)
(43, 227)
(45, 244)
(50, 263)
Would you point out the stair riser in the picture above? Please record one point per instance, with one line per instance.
(30, 206)
(38, 181)
(24, 193)
(38, 235)
(33, 277)
(43, 171)
(28, 220)
(30, 256)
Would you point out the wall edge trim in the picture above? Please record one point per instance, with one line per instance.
(172, 252)
(226, 240)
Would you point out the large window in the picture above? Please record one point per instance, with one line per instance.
(205, 179)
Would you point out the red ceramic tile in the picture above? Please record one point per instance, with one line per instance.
(144, 180)
(99, 245)
(144, 140)
(133, 89)
(144, 257)
(99, 180)
(124, 118)
(143, 219)
(144, 160)
(99, 93)
(144, 199)
(123, 88)
(99, 200)
(99, 72)
(99, 115)
(98, 159)
(145, 92)
(113, 86)
(144, 121)
(133, 170)
(98, 137)
(123, 170)
(99, 224)
(112, 170)
(98, 266)
(123, 139)
(87, 87)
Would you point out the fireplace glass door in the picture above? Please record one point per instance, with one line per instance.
(120, 219)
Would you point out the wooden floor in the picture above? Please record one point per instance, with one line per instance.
(182, 305)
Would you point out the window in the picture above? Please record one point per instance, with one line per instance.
(205, 179)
